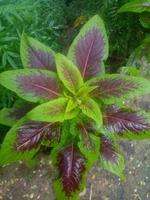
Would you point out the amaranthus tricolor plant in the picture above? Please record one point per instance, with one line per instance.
(74, 108)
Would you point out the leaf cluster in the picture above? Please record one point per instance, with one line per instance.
(70, 104)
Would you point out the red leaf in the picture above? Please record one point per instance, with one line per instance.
(107, 149)
(31, 134)
(119, 120)
(113, 87)
(88, 53)
(71, 166)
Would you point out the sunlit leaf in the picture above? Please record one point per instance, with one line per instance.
(68, 73)
(53, 111)
(91, 109)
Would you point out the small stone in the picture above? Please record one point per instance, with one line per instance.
(142, 183)
(135, 190)
(31, 196)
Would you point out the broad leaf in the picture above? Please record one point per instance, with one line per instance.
(91, 109)
(116, 88)
(8, 151)
(9, 116)
(68, 73)
(32, 85)
(53, 111)
(137, 6)
(71, 165)
(127, 123)
(90, 48)
(35, 54)
(110, 157)
(31, 134)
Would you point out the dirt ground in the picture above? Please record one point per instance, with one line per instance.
(18, 182)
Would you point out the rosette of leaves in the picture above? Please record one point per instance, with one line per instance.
(75, 108)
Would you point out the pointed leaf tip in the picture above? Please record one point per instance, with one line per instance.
(36, 55)
(90, 48)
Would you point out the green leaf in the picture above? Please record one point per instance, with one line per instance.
(91, 155)
(91, 109)
(53, 111)
(145, 20)
(131, 71)
(68, 73)
(34, 54)
(72, 104)
(110, 157)
(8, 152)
(116, 88)
(9, 116)
(137, 6)
(32, 85)
(85, 90)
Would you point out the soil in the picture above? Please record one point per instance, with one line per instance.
(19, 182)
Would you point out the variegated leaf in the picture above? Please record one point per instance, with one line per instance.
(34, 54)
(68, 73)
(90, 48)
(32, 85)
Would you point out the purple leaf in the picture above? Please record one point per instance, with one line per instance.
(88, 53)
(113, 87)
(107, 149)
(31, 134)
(40, 85)
(36, 55)
(71, 166)
(54, 133)
(90, 48)
(121, 121)
(40, 59)
(32, 84)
